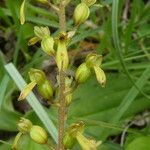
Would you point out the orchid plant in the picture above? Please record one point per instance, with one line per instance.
(57, 47)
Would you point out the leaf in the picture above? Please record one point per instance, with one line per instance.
(5, 146)
(25, 143)
(101, 104)
(110, 146)
(32, 100)
(38, 20)
(3, 87)
(2, 62)
(84, 34)
(9, 120)
(13, 9)
(18, 44)
(129, 98)
(6, 18)
(140, 143)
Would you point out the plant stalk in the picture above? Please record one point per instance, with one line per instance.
(62, 108)
(62, 16)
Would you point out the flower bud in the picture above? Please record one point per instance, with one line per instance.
(37, 75)
(93, 60)
(69, 138)
(24, 125)
(68, 141)
(68, 88)
(100, 75)
(41, 32)
(89, 2)
(81, 13)
(70, 34)
(22, 13)
(45, 89)
(47, 45)
(75, 128)
(39, 135)
(33, 41)
(83, 73)
(62, 58)
(68, 98)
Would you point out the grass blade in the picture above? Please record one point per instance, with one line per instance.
(17, 48)
(32, 100)
(108, 125)
(117, 44)
(6, 18)
(84, 35)
(3, 87)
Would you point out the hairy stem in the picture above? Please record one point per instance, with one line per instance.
(55, 8)
(62, 108)
(62, 16)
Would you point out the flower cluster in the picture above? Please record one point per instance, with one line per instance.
(57, 47)
(37, 133)
(75, 133)
(92, 63)
(44, 86)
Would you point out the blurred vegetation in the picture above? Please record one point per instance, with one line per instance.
(117, 114)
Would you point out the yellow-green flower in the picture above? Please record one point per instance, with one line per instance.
(38, 134)
(62, 58)
(24, 125)
(47, 45)
(100, 75)
(22, 13)
(27, 89)
(83, 73)
(81, 13)
(87, 144)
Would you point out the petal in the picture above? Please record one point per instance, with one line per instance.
(41, 32)
(33, 40)
(22, 13)
(86, 143)
(100, 75)
(27, 89)
(62, 58)
(37, 75)
(93, 60)
(14, 145)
